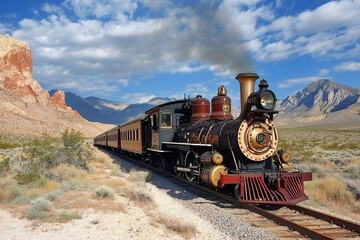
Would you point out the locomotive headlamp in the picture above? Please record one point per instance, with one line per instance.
(266, 100)
(263, 99)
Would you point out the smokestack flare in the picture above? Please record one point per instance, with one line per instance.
(247, 83)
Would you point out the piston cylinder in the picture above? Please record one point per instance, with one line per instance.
(211, 175)
(211, 157)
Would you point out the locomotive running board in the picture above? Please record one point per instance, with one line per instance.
(253, 188)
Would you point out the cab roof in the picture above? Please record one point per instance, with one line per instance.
(158, 107)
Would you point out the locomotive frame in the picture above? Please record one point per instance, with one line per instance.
(215, 149)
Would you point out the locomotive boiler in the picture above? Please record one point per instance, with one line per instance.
(204, 143)
(243, 150)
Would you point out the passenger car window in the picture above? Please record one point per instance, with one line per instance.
(166, 120)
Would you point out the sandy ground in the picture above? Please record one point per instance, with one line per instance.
(134, 222)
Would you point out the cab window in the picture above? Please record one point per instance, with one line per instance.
(166, 120)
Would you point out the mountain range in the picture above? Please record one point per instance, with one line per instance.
(323, 102)
(101, 110)
(28, 110)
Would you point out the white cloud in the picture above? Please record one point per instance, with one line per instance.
(295, 81)
(137, 97)
(196, 89)
(329, 29)
(116, 39)
(324, 72)
(100, 42)
(348, 66)
(156, 5)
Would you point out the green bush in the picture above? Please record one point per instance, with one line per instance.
(65, 216)
(37, 157)
(26, 178)
(4, 166)
(6, 143)
(41, 204)
(75, 150)
(41, 155)
(35, 214)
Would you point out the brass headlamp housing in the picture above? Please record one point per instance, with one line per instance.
(263, 99)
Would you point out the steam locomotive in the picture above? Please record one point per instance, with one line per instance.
(213, 148)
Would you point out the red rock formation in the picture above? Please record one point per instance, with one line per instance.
(16, 71)
(16, 75)
(58, 101)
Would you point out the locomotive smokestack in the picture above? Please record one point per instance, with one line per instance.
(247, 83)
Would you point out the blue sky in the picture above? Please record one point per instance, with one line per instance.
(134, 50)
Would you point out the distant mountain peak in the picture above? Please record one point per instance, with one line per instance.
(320, 97)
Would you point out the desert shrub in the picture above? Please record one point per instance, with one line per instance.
(10, 192)
(26, 178)
(75, 150)
(52, 196)
(65, 172)
(139, 176)
(21, 199)
(74, 186)
(41, 155)
(41, 204)
(354, 186)
(4, 165)
(39, 182)
(352, 172)
(103, 191)
(35, 214)
(140, 196)
(6, 143)
(68, 216)
(329, 189)
(37, 157)
(115, 170)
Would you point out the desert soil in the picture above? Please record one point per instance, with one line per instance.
(134, 222)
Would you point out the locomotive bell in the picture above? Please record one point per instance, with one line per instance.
(247, 82)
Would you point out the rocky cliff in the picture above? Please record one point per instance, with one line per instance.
(16, 75)
(25, 108)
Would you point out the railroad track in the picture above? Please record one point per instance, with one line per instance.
(299, 222)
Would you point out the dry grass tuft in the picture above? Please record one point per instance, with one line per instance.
(137, 194)
(331, 192)
(65, 172)
(333, 156)
(103, 191)
(139, 176)
(183, 229)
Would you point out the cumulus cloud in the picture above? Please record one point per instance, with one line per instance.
(107, 40)
(324, 72)
(348, 66)
(295, 81)
(329, 29)
(196, 88)
(114, 40)
(137, 97)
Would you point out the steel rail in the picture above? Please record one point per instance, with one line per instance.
(278, 219)
(352, 226)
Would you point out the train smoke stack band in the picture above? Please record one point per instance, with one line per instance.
(247, 83)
